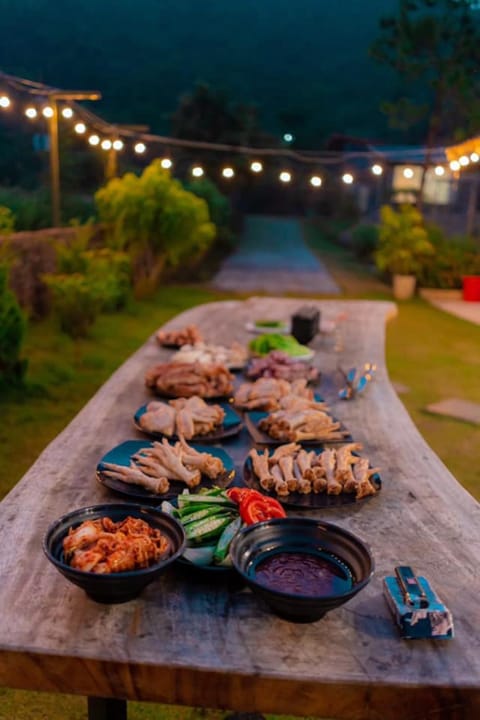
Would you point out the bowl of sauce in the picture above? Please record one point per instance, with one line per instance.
(300, 567)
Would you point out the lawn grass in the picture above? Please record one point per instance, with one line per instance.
(434, 354)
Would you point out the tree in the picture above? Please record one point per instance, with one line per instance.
(434, 47)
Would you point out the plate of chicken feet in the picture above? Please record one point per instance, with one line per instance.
(191, 418)
(156, 471)
(313, 478)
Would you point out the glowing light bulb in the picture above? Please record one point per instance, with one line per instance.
(285, 176)
(464, 160)
(47, 111)
(439, 170)
(94, 140)
(347, 178)
(316, 181)
(288, 137)
(197, 171)
(408, 173)
(80, 128)
(474, 157)
(166, 164)
(455, 165)
(228, 172)
(31, 113)
(256, 166)
(106, 144)
(117, 144)
(4, 101)
(140, 147)
(67, 113)
(377, 169)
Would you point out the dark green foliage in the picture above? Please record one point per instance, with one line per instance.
(453, 258)
(75, 302)
(7, 221)
(32, 210)
(12, 328)
(365, 241)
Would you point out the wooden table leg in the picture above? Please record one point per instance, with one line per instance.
(106, 709)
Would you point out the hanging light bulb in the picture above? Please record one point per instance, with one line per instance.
(256, 166)
(106, 144)
(228, 172)
(139, 148)
(439, 170)
(31, 113)
(67, 113)
(464, 160)
(197, 171)
(117, 144)
(80, 128)
(47, 111)
(347, 178)
(377, 169)
(316, 181)
(408, 173)
(474, 157)
(285, 176)
(166, 164)
(4, 101)
(455, 165)
(94, 140)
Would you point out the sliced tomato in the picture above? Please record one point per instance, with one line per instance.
(238, 494)
(259, 509)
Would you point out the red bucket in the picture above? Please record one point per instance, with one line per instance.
(471, 288)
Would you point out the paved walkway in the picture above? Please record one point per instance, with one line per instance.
(272, 258)
(466, 310)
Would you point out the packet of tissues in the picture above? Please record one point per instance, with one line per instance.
(417, 609)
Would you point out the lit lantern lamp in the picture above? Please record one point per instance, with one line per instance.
(455, 166)
(67, 113)
(47, 111)
(439, 170)
(197, 171)
(347, 178)
(166, 164)
(31, 113)
(94, 140)
(408, 173)
(4, 101)
(117, 145)
(256, 166)
(106, 144)
(80, 128)
(316, 181)
(474, 157)
(139, 148)
(377, 169)
(228, 172)
(464, 161)
(285, 176)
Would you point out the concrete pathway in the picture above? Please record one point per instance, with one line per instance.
(272, 258)
(466, 310)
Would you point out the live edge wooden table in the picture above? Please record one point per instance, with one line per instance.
(205, 642)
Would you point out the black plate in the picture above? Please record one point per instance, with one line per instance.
(312, 501)
(253, 417)
(121, 454)
(232, 424)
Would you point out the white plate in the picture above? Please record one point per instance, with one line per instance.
(283, 330)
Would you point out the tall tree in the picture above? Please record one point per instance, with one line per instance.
(434, 47)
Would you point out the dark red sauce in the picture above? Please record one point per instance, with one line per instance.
(304, 574)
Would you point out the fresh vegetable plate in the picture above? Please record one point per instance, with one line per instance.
(232, 424)
(267, 342)
(253, 417)
(121, 455)
(311, 501)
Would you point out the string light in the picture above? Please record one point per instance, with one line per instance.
(228, 172)
(67, 113)
(140, 148)
(4, 101)
(464, 160)
(439, 170)
(347, 178)
(166, 164)
(408, 173)
(94, 140)
(316, 181)
(47, 111)
(285, 176)
(31, 113)
(197, 171)
(455, 165)
(80, 128)
(474, 157)
(288, 137)
(117, 145)
(377, 169)
(256, 166)
(106, 144)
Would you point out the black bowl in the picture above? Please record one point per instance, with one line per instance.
(121, 586)
(325, 547)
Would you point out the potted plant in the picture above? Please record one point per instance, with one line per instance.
(403, 247)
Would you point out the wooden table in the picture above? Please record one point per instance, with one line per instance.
(198, 640)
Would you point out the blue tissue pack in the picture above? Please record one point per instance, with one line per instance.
(418, 611)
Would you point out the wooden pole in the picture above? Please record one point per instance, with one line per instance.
(54, 164)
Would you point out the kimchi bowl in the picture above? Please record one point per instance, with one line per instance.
(107, 581)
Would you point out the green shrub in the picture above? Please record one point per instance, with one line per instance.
(12, 328)
(75, 302)
(453, 258)
(365, 241)
(155, 220)
(7, 221)
(110, 272)
(403, 243)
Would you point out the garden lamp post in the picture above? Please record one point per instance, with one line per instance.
(54, 97)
